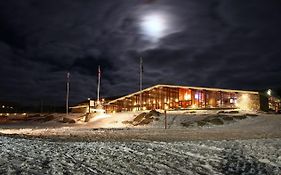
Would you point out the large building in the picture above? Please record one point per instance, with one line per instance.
(170, 97)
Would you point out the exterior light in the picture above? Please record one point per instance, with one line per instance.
(3, 106)
(269, 92)
(244, 102)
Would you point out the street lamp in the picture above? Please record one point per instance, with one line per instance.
(89, 99)
(269, 92)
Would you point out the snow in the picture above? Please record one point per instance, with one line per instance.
(109, 146)
(114, 128)
(39, 156)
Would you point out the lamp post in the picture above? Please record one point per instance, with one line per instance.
(141, 76)
(67, 93)
(89, 105)
(165, 122)
(269, 92)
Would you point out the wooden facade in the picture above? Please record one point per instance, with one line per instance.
(168, 97)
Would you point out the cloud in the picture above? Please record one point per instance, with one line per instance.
(228, 44)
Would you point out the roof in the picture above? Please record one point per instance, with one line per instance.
(184, 87)
(85, 103)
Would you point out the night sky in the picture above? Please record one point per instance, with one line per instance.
(214, 43)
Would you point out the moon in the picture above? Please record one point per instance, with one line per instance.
(154, 26)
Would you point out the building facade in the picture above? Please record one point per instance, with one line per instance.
(170, 97)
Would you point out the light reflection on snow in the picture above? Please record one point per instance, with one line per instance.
(100, 116)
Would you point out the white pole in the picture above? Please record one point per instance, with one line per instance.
(67, 92)
(98, 90)
(141, 70)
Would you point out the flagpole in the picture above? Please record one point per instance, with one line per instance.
(67, 92)
(141, 70)
(98, 90)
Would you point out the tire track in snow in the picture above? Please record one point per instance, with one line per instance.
(136, 157)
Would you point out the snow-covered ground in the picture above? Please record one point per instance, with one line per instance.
(179, 129)
(39, 156)
(237, 143)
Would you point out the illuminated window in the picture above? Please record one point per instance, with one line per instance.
(187, 96)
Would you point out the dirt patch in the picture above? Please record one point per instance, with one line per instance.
(67, 120)
(186, 124)
(228, 112)
(139, 118)
(216, 121)
(227, 118)
(127, 122)
(146, 121)
(190, 112)
(144, 118)
(252, 115)
(240, 117)
(154, 113)
(201, 123)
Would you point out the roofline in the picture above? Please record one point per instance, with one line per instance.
(210, 89)
(79, 106)
(184, 87)
(132, 94)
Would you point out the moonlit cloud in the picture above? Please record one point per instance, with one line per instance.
(154, 25)
(227, 44)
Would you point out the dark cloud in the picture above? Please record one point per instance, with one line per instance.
(228, 44)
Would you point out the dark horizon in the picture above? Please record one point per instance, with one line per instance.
(223, 44)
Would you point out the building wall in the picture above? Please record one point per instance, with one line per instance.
(274, 103)
(173, 98)
(248, 101)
